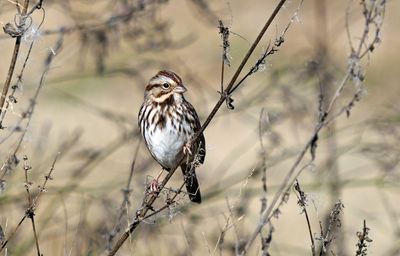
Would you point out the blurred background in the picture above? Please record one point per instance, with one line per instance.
(91, 92)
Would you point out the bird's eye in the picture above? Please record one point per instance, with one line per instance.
(165, 85)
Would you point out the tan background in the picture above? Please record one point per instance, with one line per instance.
(73, 219)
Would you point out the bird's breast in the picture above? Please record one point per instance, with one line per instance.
(166, 143)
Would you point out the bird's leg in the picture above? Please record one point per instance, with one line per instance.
(154, 182)
(187, 148)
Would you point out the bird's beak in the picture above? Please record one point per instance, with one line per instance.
(180, 89)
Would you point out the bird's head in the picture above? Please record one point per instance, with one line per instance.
(163, 86)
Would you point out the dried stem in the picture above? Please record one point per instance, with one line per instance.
(363, 240)
(13, 58)
(11, 97)
(126, 191)
(333, 221)
(31, 210)
(32, 206)
(29, 112)
(302, 202)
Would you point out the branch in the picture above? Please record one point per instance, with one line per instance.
(302, 202)
(14, 56)
(33, 205)
(148, 205)
(29, 112)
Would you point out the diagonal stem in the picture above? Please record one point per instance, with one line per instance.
(239, 69)
(13, 61)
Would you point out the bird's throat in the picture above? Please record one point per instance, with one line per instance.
(168, 98)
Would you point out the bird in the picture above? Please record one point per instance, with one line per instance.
(168, 123)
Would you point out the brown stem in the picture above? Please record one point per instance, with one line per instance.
(302, 201)
(239, 69)
(35, 235)
(29, 213)
(13, 61)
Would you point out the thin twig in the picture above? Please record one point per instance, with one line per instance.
(13, 59)
(31, 108)
(334, 220)
(265, 242)
(363, 240)
(11, 98)
(302, 202)
(30, 211)
(126, 191)
(239, 70)
(224, 32)
(34, 202)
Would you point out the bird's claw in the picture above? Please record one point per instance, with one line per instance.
(153, 186)
(187, 149)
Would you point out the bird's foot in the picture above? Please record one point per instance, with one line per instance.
(187, 149)
(153, 186)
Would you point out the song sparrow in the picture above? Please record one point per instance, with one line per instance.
(167, 122)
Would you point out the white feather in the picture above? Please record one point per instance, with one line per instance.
(166, 144)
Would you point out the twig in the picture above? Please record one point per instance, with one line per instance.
(265, 242)
(14, 58)
(11, 98)
(228, 225)
(110, 22)
(279, 40)
(224, 32)
(125, 201)
(302, 202)
(263, 164)
(363, 239)
(239, 70)
(31, 211)
(33, 205)
(29, 112)
(188, 249)
(334, 220)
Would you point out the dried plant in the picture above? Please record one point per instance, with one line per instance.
(363, 240)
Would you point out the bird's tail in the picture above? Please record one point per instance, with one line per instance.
(192, 184)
